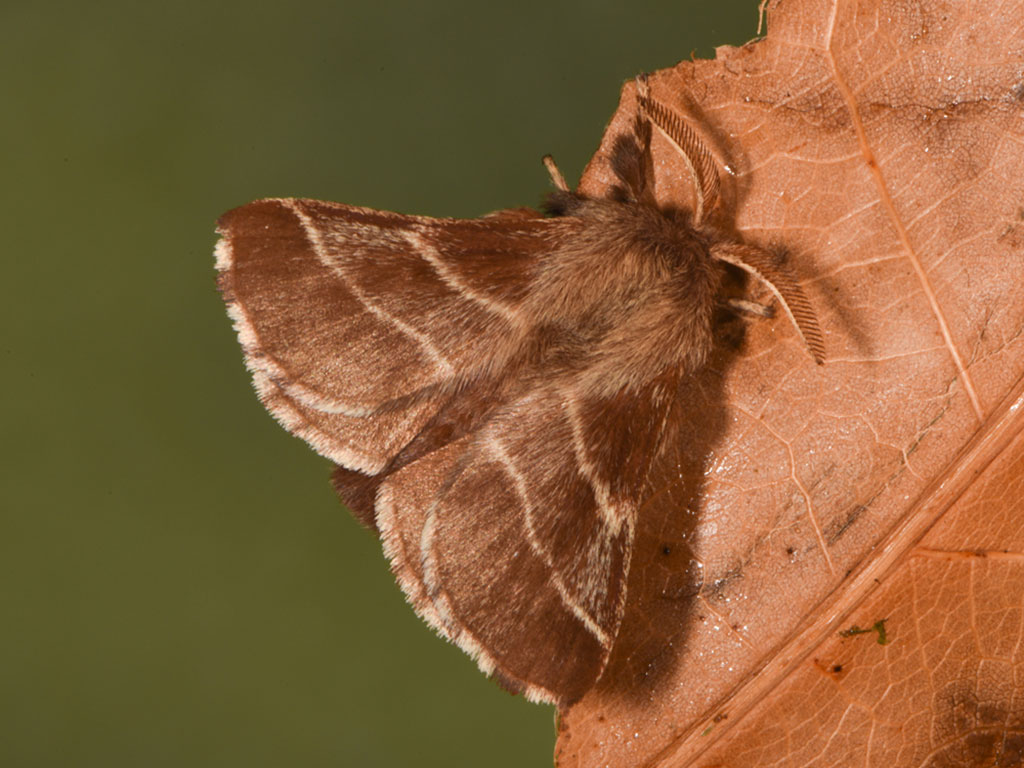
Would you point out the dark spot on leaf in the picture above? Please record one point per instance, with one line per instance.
(878, 626)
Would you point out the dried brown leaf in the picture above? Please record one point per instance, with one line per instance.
(883, 144)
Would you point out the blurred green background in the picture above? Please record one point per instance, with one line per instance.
(178, 584)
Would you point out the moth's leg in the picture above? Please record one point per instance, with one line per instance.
(735, 314)
(698, 158)
(764, 266)
(556, 175)
(750, 308)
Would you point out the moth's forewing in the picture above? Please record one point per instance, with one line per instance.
(341, 311)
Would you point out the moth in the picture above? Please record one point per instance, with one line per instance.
(494, 392)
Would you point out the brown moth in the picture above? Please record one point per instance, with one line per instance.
(494, 391)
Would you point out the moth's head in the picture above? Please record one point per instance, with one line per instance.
(562, 203)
